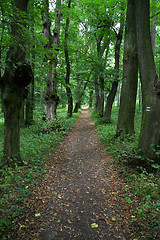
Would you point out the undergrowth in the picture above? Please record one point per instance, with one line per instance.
(17, 183)
(141, 174)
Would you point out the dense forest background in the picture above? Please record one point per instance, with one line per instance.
(56, 56)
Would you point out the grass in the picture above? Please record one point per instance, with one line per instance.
(36, 142)
(140, 174)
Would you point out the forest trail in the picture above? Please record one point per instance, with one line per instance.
(87, 194)
(82, 195)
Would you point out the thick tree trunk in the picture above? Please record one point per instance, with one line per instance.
(16, 78)
(153, 31)
(109, 103)
(52, 98)
(112, 94)
(150, 130)
(130, 75)
(68, 70)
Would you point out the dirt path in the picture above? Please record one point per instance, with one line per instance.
(87, 193)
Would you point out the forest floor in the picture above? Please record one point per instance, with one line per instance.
(82, 196)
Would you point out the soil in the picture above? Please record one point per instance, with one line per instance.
(82, 196)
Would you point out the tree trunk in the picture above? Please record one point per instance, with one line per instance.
(16, 78)
(112, 94)
(90, 98)
(101, 80)
(118, 95)
(97, 103)
(150, 130)
(22, 121)
(109, 103)
(78, 93)
(30, 98)
(52, 98)
(78, 103)
(1, 47)
(68, 70)
(30, 105)
(153, 31)
(130, 75)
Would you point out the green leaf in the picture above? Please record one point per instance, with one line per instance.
(94, 225)
(37, 214)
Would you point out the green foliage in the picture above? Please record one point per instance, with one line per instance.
(145, 188)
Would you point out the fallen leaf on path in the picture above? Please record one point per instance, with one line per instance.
(94, 225)
(37, 214)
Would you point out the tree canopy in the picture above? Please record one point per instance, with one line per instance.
(75, 50)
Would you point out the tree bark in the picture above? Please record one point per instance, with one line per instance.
(17, 77)
(112, 94)
(68, 70)
(30, 105)
(97, 102)
(153, 32)
(52, 98)
(90, 98)
(130, 75)
(150, 130)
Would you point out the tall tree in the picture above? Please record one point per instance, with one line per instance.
(68, 68)
(130, 75)
(103, 42)
(17, 76)
(112, 93)
(52, 45)
(81, 89)
(150, 130)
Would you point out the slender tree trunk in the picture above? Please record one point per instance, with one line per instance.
(118, 95)
(112, 94)
(150, 130)
(139, 96)
(79, 84)
(16, 78)
(52, 98)
(30, 97)
(41, 96)
(101, 80)
(90, 98)
(78, 103)
(30, 105)
(68, 70)
(97, 103)
(130, 75)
